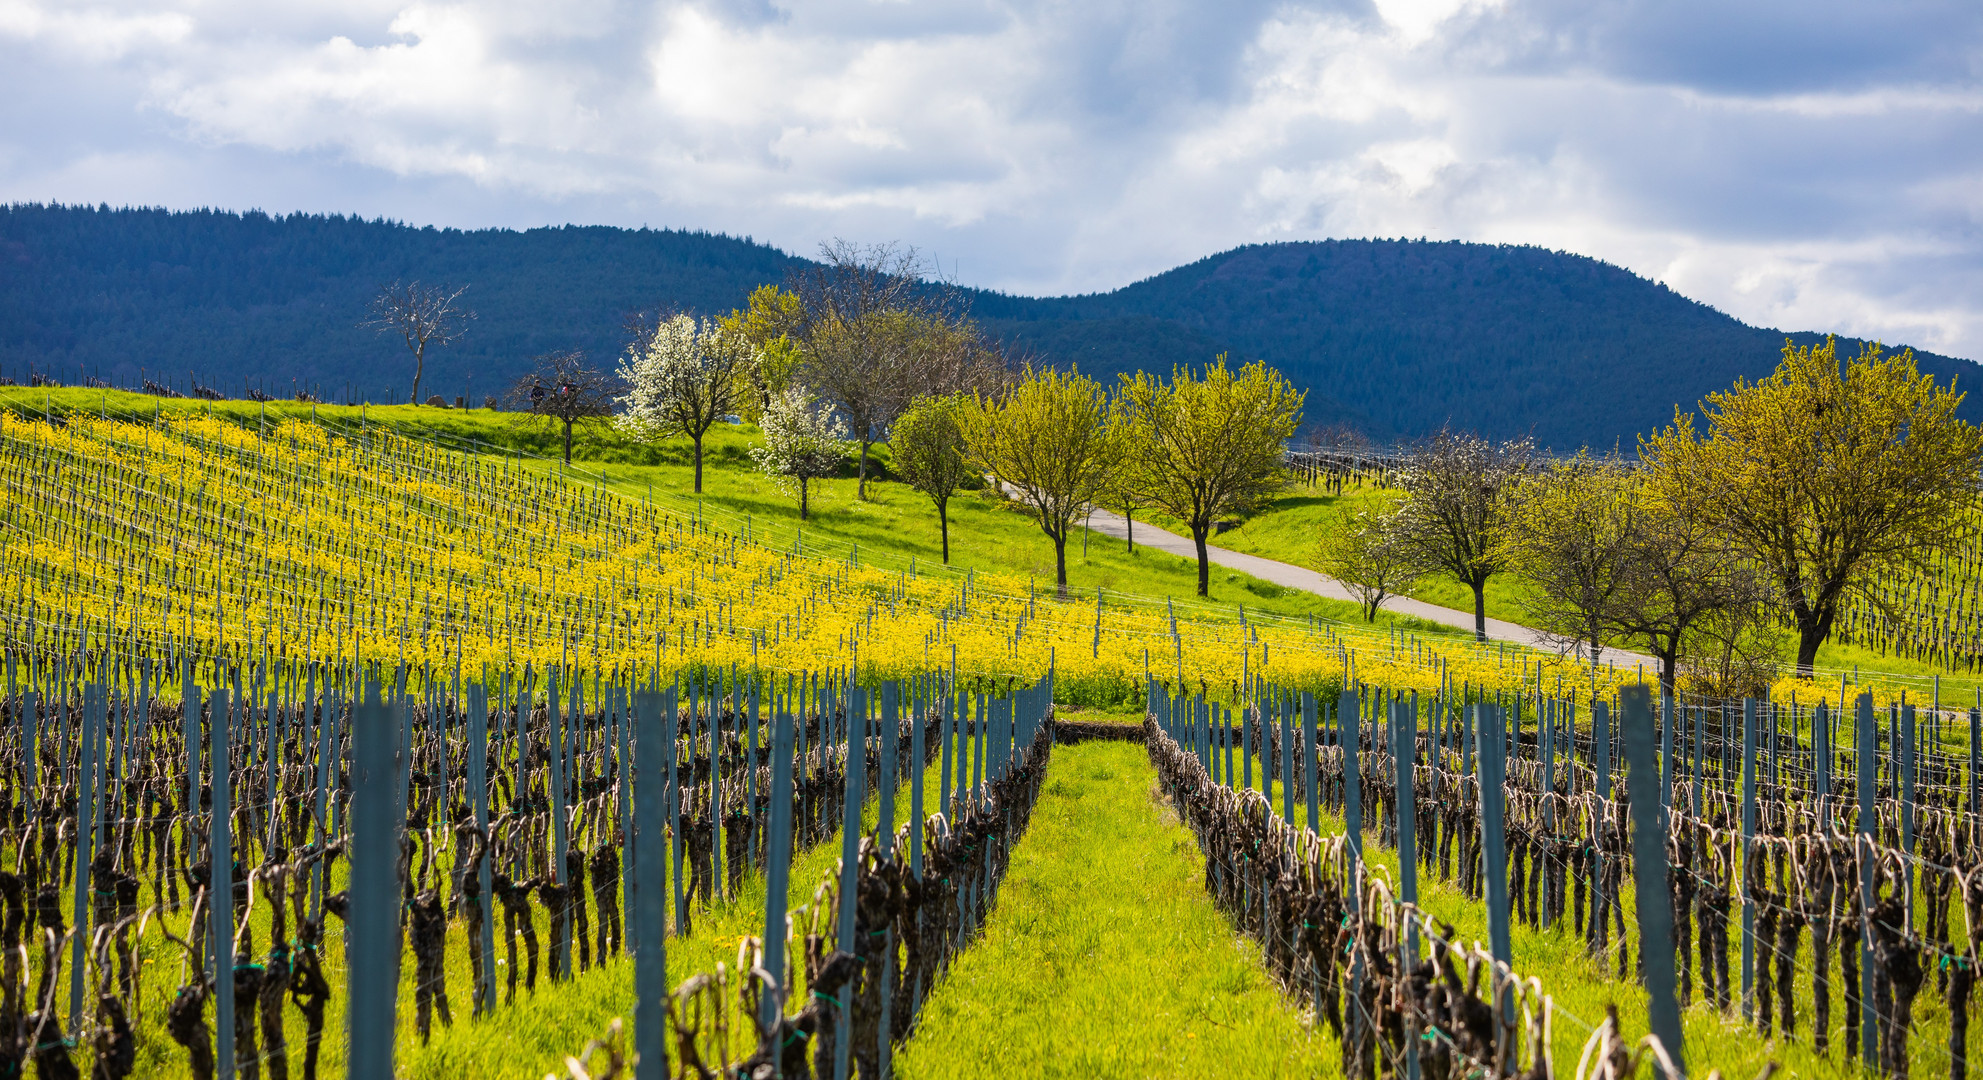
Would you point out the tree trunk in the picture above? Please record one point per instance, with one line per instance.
(1060, 561)
(1479, 609)
(1129, 530)
(861, 487)
(567, 442)
(1813, 628)
(802, 498)
(698, 463)
(419, 365)
(943, 526)
(1669, 665)
(1198, 532)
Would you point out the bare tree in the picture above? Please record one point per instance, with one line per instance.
(1458, 492)
(1687, 586)
(875, 336)
(1574, 528)
(425, 316)
(563, 390)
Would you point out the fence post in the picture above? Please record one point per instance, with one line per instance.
(655, 760)
(1492, 742)
(1907, 796)
(220, 884)
(777, 864)
(1975, 772)
(1655, 904)
(1404, 752)
(1351, 718)
(891, 736)
(1748, 853)
(478, 789)
(671, 725)
(1821, 767)
(718, 852)
(1307, 759)
(86, 803)
(850, 841)
(1666, 725)
(1286, 709)
(1546, 747)
(624, 741)
(1865, 750)
(374, 910)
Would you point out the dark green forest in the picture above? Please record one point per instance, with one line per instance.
(1392, 337)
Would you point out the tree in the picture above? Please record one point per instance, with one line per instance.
(769, 320)
(927, 445)
(1826, 476)
(682, 376)
(1573, 526)
(1458, 492)
(802, 442)
(424, 316)
(1685, 588)
(1363, 552)
(561, 389)
(874, 336)
(1207, 448)
(1047, 439)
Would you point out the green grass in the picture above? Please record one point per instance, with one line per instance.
(1105, 957)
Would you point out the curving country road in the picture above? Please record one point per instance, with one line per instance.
(1290, 576)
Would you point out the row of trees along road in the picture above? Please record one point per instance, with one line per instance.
(1199, 447)
(1795, 495)
(861, 347)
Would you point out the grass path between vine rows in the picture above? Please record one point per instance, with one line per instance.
(1105, 957)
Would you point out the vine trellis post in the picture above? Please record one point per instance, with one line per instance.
(1655, 905)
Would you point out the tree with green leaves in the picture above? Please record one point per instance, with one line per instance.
(1203, 449)
(927, 445)
(1826, 475)
(1047, 440)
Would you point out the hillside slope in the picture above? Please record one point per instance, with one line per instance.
(1408, 335)
(1393, 337)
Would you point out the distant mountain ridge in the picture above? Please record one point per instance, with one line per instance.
(1394, 337)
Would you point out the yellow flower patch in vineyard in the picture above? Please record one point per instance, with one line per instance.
(294, 542)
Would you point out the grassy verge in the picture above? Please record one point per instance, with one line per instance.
(1105, 956)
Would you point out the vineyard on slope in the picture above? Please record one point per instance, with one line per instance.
(296, 543)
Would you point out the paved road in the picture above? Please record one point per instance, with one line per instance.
(1290, 576)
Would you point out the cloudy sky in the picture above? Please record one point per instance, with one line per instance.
(1807, 165)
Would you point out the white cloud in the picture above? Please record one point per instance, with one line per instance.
(1795, 165)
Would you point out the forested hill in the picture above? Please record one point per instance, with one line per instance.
(1405, 336)
(1393, 337)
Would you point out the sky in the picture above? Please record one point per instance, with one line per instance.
(1814, 165)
